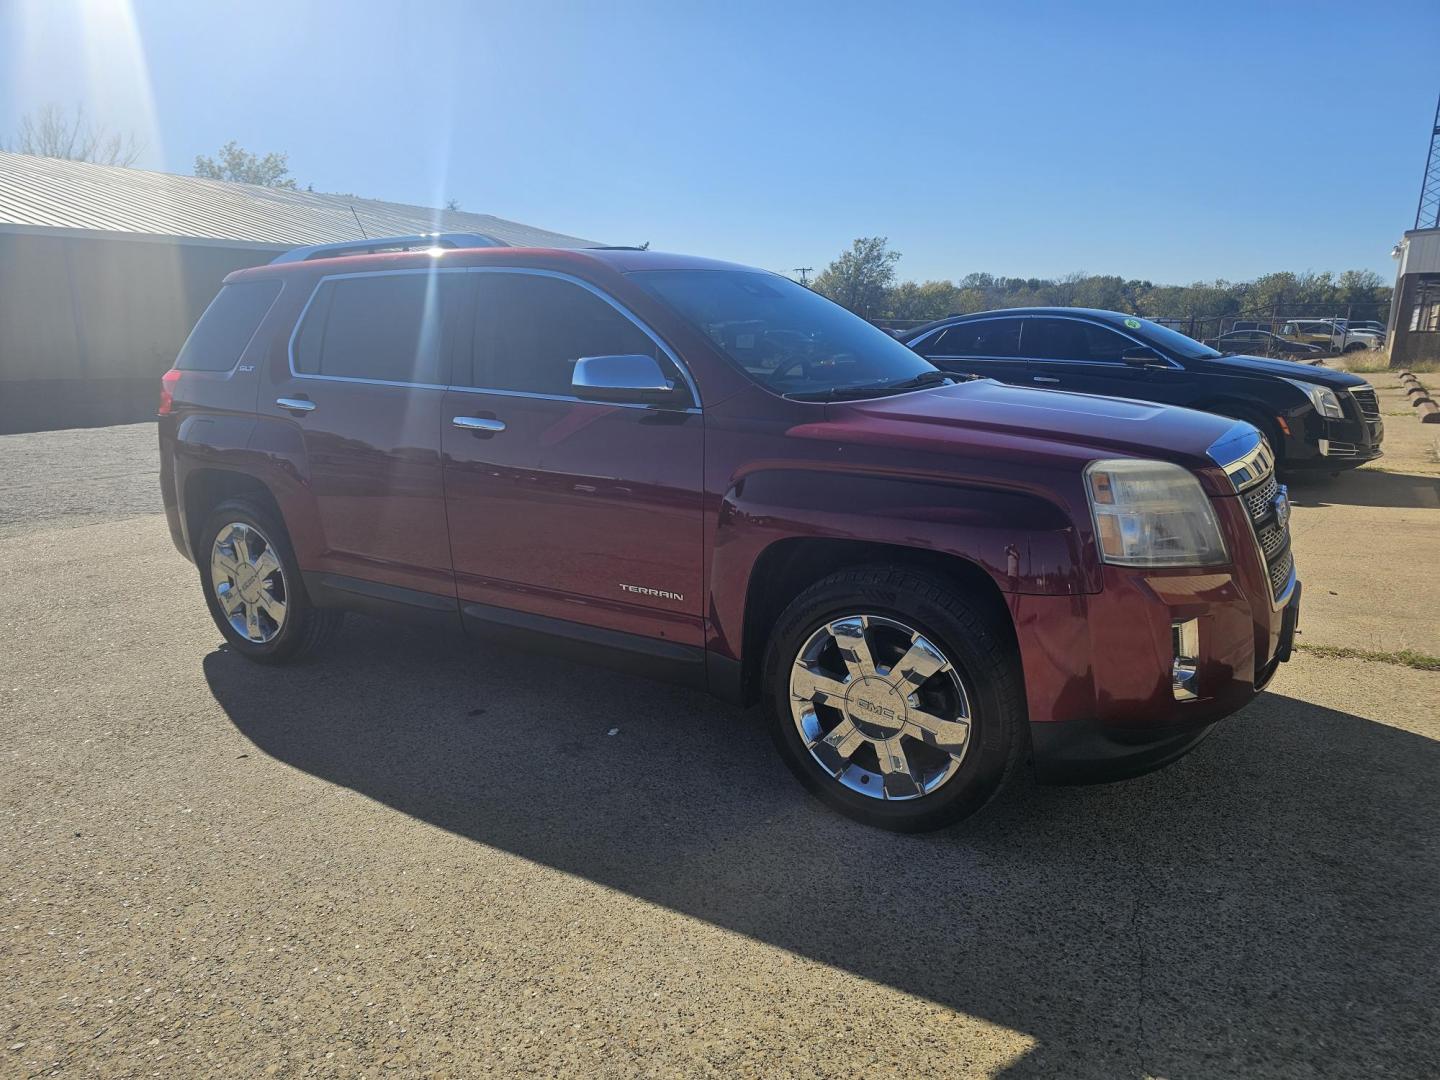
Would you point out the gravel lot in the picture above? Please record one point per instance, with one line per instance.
(420, 857)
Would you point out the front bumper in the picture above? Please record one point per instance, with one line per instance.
(1329, 444)
(1087, 750)
(1100, 671)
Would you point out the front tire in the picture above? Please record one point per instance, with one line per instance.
(253, 586)
(894, 699)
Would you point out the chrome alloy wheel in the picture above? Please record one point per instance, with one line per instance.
(879, 707)
(248, 582)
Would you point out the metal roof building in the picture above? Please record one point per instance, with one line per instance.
(103, 270)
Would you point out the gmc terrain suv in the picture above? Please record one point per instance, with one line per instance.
(710, 474)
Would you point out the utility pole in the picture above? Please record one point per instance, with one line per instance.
(804, 272)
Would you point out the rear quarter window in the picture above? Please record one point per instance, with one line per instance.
(227, 326)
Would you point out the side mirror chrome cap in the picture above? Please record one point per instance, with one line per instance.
(625, 377)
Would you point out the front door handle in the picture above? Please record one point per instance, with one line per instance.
(296, 404)
(1044, 379)
(481, 425)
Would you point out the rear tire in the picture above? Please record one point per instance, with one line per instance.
(894, 699)
(253, 586)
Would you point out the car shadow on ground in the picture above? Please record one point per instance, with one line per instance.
(1365, 487)
(1266, 902)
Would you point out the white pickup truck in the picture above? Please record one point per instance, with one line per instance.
(1333, 334)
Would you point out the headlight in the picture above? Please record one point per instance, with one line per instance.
(1323, 398)
(1152, 513)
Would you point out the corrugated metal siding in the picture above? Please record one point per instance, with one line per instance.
(50, 193)
(1421, 253)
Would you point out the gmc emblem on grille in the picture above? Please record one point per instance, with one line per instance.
(1282, 507)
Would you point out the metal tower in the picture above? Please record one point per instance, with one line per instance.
(1427, 214)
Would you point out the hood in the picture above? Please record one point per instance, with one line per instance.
(1089, 426)
(1289, 369)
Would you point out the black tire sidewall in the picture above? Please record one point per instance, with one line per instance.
(997, 728)
(298, 610)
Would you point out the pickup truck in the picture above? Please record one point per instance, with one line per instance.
(707, 473)
(1331, 334)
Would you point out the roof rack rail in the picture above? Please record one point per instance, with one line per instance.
(418, 242)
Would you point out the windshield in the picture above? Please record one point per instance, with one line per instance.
(785, 337)
(1171, 340)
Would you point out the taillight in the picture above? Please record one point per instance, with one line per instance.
(167, 391)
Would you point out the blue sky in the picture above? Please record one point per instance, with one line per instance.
(1162, 140)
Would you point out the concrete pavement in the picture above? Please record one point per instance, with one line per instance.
(418, 857)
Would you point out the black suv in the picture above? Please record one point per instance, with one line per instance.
(1315, 418)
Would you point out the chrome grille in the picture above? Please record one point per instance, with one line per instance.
(1254, 479)
(1260, 500)
(1272, 539)
(1280, 572)
(1365, 398)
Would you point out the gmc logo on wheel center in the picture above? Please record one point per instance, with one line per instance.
(871, 707)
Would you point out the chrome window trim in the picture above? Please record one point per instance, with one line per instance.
(625, 312)
(1169, 363)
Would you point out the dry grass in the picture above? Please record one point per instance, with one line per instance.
(1402, 657)
(1362, 364)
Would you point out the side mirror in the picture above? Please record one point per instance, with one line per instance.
(1140, 356)
(627, 377)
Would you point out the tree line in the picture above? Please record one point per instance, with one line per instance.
(863, 278)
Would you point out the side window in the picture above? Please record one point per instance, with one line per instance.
(1053, 339)
(386, 327)
(227, 326)
(530, 329)
(1070, 339)
(984, 338)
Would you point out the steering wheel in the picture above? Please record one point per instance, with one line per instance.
(791, 348)
(788, 365)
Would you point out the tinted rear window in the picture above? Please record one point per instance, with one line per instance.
(387, 327)
(982, 338)
(227, 326)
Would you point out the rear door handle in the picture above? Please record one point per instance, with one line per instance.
(482, 425)
(296, 404)
(1044, 379)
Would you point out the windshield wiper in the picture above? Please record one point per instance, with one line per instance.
(863, 390)
(925, 378)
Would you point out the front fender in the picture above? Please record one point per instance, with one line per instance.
(1025, 543)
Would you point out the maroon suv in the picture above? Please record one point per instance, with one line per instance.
(708, 473)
